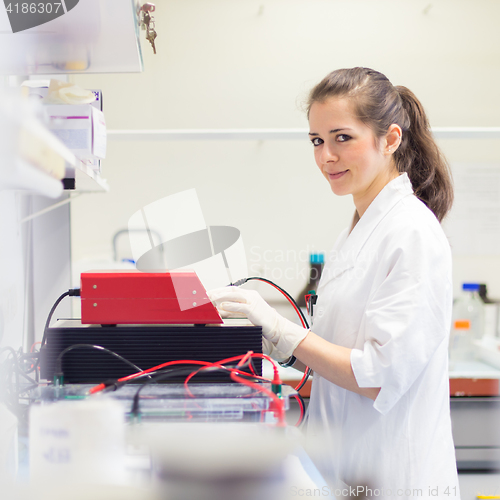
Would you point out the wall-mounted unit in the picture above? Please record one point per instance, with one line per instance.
(86, 36)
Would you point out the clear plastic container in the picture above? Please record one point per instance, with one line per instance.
(461, 346)
(467, 324)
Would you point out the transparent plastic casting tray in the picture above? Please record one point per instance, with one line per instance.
(207, 402)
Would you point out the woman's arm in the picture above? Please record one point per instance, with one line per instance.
(299, 366)
(332, 362)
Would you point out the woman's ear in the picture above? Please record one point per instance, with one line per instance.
(392, 139)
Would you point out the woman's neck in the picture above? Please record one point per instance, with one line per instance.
(363, 202)
(355, 220)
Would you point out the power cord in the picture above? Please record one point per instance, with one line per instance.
(58, 372)
(72, 292)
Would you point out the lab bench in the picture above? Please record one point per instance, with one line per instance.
(475, 415)
(474, 408)
(167, 411)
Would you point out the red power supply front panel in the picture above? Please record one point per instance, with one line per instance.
(135, 297)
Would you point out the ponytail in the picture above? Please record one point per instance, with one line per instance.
(420, 157)
(379, 104)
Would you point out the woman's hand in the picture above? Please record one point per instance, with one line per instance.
(284, 335)
(272, 351)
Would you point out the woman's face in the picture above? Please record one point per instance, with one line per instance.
(347, 152)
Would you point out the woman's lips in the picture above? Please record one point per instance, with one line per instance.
(338, 175)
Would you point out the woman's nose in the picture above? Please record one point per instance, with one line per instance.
(328, 154)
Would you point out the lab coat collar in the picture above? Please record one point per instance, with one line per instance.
(345, 255)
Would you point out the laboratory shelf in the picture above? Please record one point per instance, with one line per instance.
(88, 181)
(34, 160)
(21, 176)
(479, 376)
(273, 134)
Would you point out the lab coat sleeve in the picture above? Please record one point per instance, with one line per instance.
(407, 317)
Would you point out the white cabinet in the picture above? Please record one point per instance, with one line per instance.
(94, 36)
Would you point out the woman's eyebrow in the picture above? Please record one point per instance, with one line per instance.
(331, 131)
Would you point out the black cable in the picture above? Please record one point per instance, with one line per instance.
(16, 356)
(302, 405)
(249, 376)
(72, 293)
(49, 317)
(162, 376)
(58, 363)
(29, 357)
(305, 379)
(8, 348)
(114, 384)
(284, 292)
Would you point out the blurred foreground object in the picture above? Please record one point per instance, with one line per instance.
(215, 462)
(78, 442)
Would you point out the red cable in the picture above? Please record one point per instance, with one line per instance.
(303, 324)
(101, 387)
(302, 409)
(280, 406)
(280, 410)
(278, 403)
(289, 300)
(303, 378)
(244, 358)
(31, 350)
(191, 375)
(300, 317)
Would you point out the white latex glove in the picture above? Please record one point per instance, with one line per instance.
(283, 334)
(272, 351)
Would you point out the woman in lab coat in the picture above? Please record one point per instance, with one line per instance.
(379, 342)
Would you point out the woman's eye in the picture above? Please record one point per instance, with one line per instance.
(316, 141)
(343, 137)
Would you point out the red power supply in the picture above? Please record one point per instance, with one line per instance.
(135, 297)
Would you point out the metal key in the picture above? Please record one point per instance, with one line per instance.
(151, 35)
(146, 19)
(148, 23)
(148, 7)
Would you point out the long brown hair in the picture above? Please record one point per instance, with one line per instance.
(379, 104)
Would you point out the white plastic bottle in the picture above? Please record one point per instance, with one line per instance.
(467, 324)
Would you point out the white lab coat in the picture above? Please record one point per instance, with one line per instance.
(386, 293)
